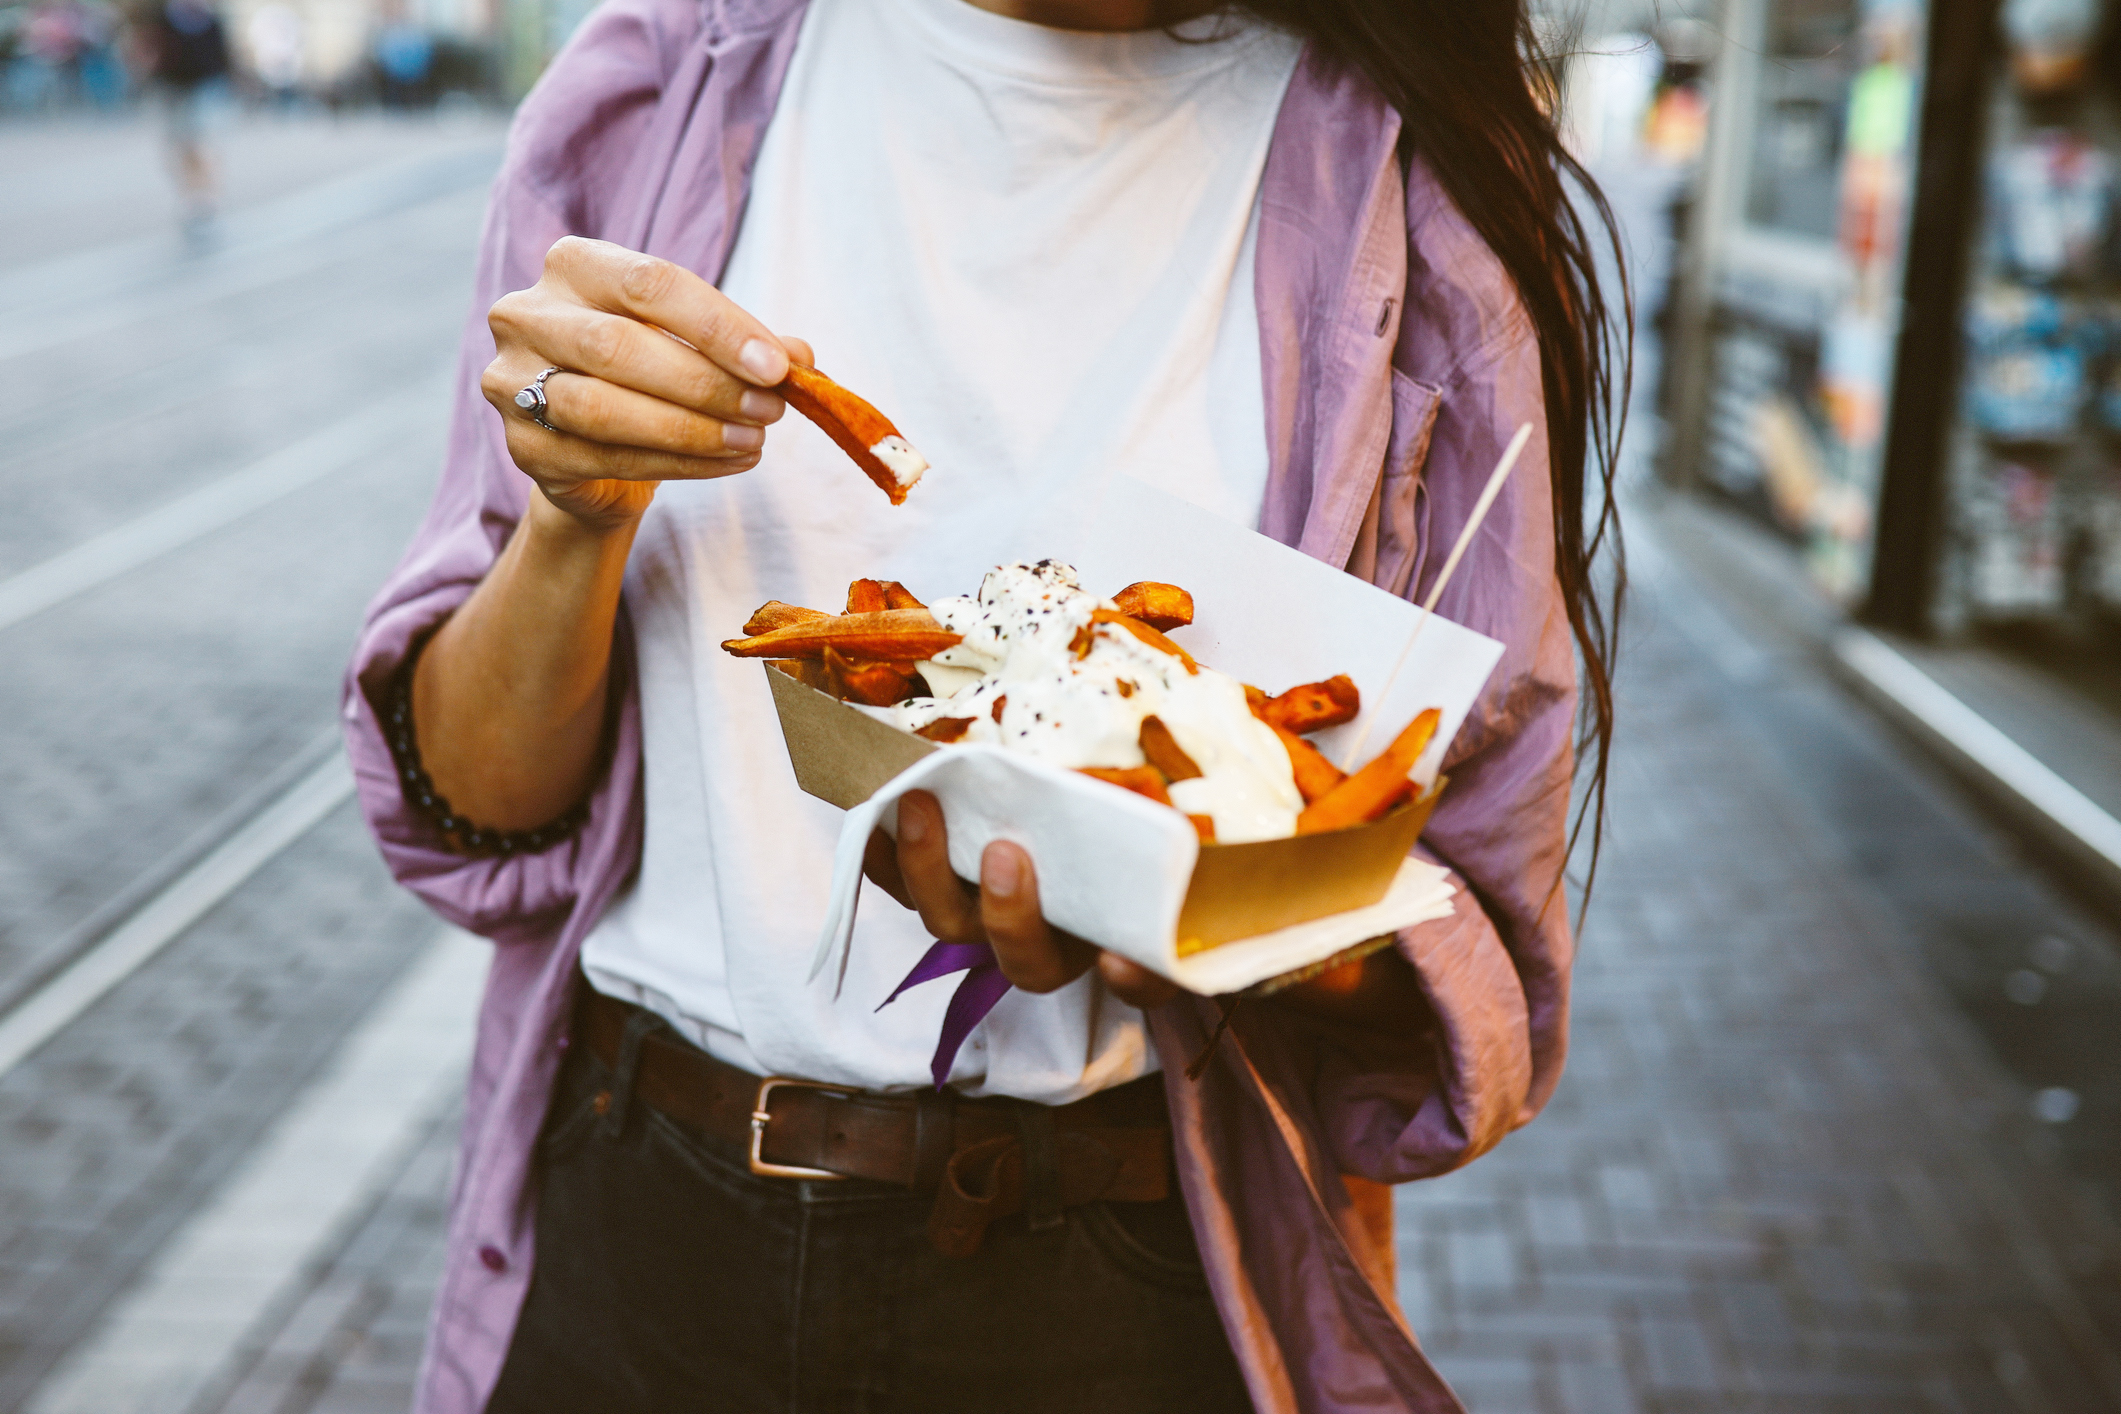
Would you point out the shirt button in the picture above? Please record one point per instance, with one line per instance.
(492, 1260)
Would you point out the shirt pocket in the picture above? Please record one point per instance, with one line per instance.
(1414, 408)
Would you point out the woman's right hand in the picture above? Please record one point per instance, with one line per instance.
(662, 378)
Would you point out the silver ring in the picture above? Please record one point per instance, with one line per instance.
(532, 398)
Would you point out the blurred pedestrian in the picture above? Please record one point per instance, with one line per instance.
(187, 54)
(274, 36)
(405, 54)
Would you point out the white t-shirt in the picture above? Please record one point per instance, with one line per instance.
(1032, 248)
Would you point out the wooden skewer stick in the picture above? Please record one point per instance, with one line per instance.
(1450, 566)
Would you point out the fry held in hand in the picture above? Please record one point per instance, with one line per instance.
(861, 431)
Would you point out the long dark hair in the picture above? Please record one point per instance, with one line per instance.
(1468, 78)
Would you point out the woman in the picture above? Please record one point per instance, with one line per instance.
(1307, 264)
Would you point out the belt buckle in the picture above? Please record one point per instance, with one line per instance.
(760, 1117)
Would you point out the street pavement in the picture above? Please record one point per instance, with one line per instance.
(1821, 1145)
(159, 706)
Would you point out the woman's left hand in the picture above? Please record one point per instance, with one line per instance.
(1002, 912)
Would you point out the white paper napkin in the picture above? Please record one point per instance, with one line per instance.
(1113, 868)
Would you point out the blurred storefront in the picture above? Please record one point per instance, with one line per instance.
(1783, 364)
(1896, 341)
(1899, 338)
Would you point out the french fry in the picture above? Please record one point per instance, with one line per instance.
(861, 431)
(898, 596)
(1164, 752)
(1155, 639)
(1377, 787)
(945, 729)
(1142, 780)
(872, 684)
(1315, 775)
(1314, 706)
(808, 671)
(893, 636)
(1204, 826)
(774, 614)
(1162, 607)
(866, 596)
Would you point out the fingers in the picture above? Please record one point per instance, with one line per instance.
(1033, 954)
(880, 863)
(548, 328)
(1133, 983)
(558, 459)
(948, 906)
(1003, 912)
(617, 416)
(621, 281)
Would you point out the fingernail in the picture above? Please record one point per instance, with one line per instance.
(739, 437)
(1005, 874)
(759, 405)
(912, 826)
(766, 362)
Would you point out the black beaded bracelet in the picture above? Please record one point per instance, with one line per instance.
(421, 793)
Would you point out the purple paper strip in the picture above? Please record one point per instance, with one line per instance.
(983, 986)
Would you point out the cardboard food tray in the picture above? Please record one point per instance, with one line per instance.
(845, 756)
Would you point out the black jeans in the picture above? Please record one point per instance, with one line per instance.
(671, 1278)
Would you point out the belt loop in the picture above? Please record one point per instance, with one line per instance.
(1042, 1178)
(639, 1023)
(934, 1135)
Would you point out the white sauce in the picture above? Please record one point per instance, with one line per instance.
(1018, 637)
(906, 464)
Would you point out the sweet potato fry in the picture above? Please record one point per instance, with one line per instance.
(1257, 700)
(1164, 752)
(808, 671)
(861, 431)
(1162, 607)
(1140, 630)
(866, 596)
(774, 614)
(1142, 780)
(1204, 826)
(1315, 775)
(893, 636)
(946, 729)
(1377, 787)
(872, 684)
(898, 596)
(1315, 705)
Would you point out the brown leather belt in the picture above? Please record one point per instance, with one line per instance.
(984, 1158)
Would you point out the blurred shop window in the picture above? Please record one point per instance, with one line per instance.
(1610, 88)
(1805, 79)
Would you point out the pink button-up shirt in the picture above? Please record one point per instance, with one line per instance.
(1397, 363)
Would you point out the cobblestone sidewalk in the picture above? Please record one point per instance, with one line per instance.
(1783, 1171)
